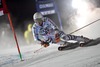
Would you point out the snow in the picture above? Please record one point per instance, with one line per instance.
(9, 57)
(51, 57)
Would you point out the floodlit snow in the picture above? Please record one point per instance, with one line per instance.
(51, 57)
(83, 9)
(9, 57)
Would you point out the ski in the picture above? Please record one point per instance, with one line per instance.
(77, 44)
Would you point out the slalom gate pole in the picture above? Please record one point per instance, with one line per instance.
(14, 34)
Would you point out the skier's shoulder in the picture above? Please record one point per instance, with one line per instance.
(34, 26)
(46, 19)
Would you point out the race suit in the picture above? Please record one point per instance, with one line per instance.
(48, 30)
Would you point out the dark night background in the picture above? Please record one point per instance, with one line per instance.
(21, 11)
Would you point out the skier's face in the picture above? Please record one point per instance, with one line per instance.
(39, 21)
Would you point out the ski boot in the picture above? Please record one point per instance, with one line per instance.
(63, 46)
(86, 41)
(68, 45)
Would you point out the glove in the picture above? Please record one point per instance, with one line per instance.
(45, 44)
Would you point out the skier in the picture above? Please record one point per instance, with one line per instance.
(45, 31)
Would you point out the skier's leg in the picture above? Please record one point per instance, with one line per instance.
(66, 37)
(63, 43)
(83, 39)
(63, 39)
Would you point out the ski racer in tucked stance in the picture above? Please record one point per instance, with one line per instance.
(45, 31)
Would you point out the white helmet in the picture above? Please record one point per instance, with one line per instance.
(37, 15)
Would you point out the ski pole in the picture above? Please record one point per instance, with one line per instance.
(84, 26)
(38, 49)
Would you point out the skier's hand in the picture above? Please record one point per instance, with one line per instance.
(45, 44)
